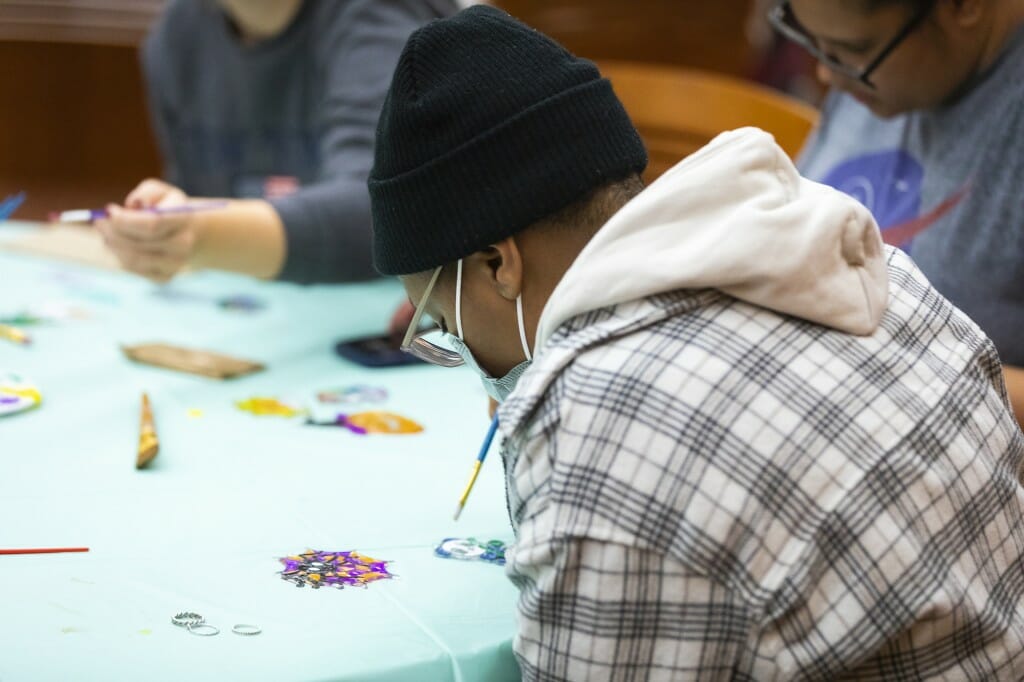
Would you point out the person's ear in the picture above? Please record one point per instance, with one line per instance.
(503, 265)
(507, 265)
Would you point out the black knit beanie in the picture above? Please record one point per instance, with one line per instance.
(488, 127)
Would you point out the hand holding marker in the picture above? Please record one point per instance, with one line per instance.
(88, 215)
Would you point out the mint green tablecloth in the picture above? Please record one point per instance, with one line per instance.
(230, 492)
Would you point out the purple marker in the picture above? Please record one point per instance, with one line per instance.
(88, 215)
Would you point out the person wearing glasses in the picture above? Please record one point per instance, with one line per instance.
(924, 124)
(742, 438)
(272, 104)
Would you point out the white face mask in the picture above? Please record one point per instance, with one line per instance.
(498, 388)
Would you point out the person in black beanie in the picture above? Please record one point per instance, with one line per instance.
(736, 429)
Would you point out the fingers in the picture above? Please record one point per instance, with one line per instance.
(148, 264)
(142, 225)
(156, 246)
(178, 245)
(153, 192)
(160, 273)
(158, 260)
(158, 268)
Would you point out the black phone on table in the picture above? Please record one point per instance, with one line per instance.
(375, 351)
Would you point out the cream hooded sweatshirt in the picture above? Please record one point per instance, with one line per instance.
(738, 217)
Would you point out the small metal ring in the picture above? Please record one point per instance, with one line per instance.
(186, 619)
(194, 629)
(246, 630)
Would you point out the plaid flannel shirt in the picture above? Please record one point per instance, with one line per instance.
(706, 489)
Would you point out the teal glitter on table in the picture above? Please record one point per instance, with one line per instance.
(471, 549)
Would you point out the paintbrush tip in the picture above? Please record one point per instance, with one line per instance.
(146, 454)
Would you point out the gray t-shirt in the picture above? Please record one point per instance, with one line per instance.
(947, 185)
(291, 119)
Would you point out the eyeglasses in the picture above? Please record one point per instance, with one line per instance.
(785, 22)
(416, 342)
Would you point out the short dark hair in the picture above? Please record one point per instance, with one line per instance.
(595, 209)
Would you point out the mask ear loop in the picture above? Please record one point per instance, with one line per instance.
(458, 300)
(522, 327)
(519, 312)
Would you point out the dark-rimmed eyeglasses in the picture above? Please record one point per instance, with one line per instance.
(784, 21)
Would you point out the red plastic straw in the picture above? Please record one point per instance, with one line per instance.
(44, 550)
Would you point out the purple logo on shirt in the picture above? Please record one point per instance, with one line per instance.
(889, 184)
